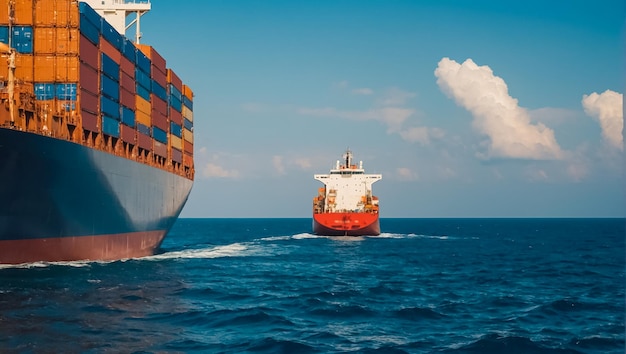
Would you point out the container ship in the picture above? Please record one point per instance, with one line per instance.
(345, 205)
(96, 133)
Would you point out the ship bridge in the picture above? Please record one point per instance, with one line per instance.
(116, 11)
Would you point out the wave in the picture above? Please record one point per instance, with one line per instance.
(503, 343)
(232, 250)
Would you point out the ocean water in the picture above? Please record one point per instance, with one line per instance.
(269, 286)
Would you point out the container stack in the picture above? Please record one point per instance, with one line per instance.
(94, 86)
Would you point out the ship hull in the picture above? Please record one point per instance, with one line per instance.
(346, 224)
(61, 201)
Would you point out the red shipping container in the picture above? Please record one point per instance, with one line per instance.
(159, 77)
(177, 155)
(158, 104)
(108, 49)
(160, 149)
(173, 79)
(160, 120)
(128, 134)
(88, 52)
(144, 141)
(127, 99)
(127, 67)
(188, 147)
(175, 116)
(127, 82)
(88, 78)
(90, 121)
(88, 101)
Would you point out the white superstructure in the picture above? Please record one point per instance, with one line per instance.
(347, 187)
(116, 11)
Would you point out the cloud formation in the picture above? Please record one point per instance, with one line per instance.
(496, 114)
(607, 109)
(212, 170)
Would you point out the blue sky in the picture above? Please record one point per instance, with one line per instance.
(467, 108)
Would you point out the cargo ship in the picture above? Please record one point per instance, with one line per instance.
(96, 133)
(345, 205)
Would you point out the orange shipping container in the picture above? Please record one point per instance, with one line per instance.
(173, 79)
(23, 10)
(44, 68)
(189, 148)
(56, 13)
(143, 105)
(44, 40)
(66, 69)
(24, 67)
(176, 142)
(187, 92)
(67, 41)
(187, 160)
(143, 118)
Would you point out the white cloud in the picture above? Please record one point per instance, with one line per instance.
(406, 174)
(211, 170)
(496, 113)
(363, 91)
(277, 162)
(422, 135)
(395, 97)
(303, 163)
(607, 109)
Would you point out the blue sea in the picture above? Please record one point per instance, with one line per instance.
(270, 286)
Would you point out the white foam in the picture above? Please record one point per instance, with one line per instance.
(232, 250)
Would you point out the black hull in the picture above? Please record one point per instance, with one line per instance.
(62, 194)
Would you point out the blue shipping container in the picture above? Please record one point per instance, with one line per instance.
(159, 135)
(188, 124)
(143, 129)
(159, 91)
(111, 35)
(109, 88)
(143, 93)
(110, 107)
(187, 102)
(66, 91)
(90, 14)
(175, 92)
(176, 104)
(44, 91)
(143, 79)
(4, 34)
(143, 62)
(22, 39)
(110, 127)
(129, 50)
(128, 116)
(89, 30)
(110, 68)
(176, 129)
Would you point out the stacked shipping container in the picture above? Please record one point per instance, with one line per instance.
(86, 75)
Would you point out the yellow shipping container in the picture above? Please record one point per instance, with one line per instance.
(188, 135)
(66, 68)
(143, 105)
(143, 118)
(44, 68)
(176, 142)
(187, 113)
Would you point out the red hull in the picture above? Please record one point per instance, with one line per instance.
(346, 224)
(101, 247)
